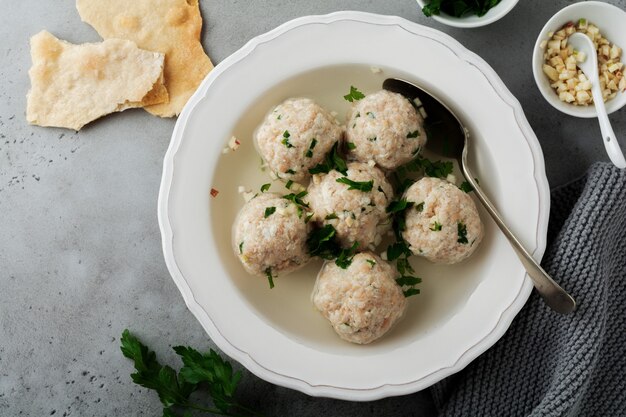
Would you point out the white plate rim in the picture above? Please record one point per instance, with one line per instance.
(385, 390)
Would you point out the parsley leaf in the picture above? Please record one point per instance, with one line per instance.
(297, 199)
(399, 205)
(214, 371)
(241, 247)
(413, 135)
(354, 94)
(332, 161)
(371, 262)
(285, 140)
(321, 242)
(439, 169)
(466, 187)
(151, 374)
(436, 227)
(270, 277)
(208, 370)
(344, 259)
(462, 233)
(265, 187)
(364, 186)
(400, 251)
(351, 146)
(420, 207)
(269, 211)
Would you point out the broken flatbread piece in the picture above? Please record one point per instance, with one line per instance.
(72, 85)
(168, 26)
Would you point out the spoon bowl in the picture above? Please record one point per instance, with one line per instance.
(589, 66)
(448, 137)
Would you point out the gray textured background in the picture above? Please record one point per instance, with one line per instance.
(80, 251)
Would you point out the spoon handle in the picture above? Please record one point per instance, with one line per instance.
(553, 295)
(608, 136)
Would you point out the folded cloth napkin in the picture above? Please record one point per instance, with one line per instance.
(549, 364)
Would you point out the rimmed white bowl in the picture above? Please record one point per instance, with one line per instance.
(472, 21)
(610, 20)
(277, 334)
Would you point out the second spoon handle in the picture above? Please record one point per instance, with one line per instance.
(608, 136)
(553, 295)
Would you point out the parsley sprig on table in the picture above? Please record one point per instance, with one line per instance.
(174, 389)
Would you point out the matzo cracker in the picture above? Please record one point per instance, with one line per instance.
(72, 85)
(168, 26)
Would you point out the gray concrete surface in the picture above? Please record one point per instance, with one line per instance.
(80, 254)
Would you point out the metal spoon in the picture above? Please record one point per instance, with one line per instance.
(589, 67)
(449, 138)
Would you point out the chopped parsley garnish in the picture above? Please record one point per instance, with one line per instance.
(420, 207)
(358, 114)
(285, 140)
(309, 152)
(297, 200)
(372, 139)
(308, 217)
(265, 187)
(396, 250)
(321, 242)
(399, 205)
(279, 117)
(289, 184)
(332, 161)
(241, 247)
(439, 169)
(400, 252)
(344, 259)
(364, 186)
(290, 171)
(371, 262)
(351, 146)
(419, 165)
(436, 227)
(462, 233)
(371, 115)
(466, 186)
(353, 95)
(331, 216)
(269, 211)
(413, 135)
(270, 277)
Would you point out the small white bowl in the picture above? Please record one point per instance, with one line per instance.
(473, 21)
(611, 21)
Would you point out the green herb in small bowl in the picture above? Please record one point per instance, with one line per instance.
(466, 13)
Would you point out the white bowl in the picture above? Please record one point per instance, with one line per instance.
(611, 21)
(473, 21)
(277, 334)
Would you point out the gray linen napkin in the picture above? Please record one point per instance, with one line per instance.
(554, 365)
